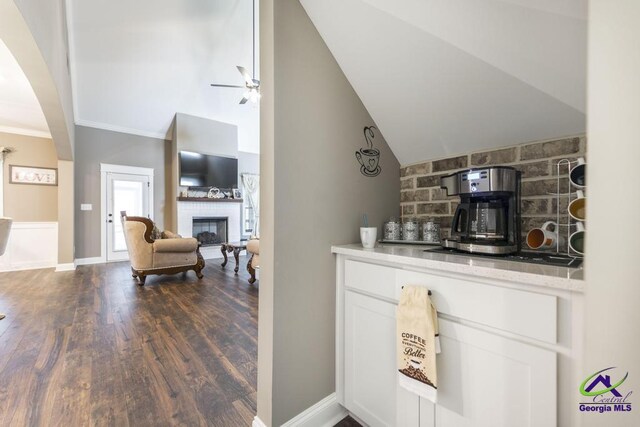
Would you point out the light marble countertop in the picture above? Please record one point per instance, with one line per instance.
(571, 279)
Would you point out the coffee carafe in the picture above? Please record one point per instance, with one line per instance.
(487, 220)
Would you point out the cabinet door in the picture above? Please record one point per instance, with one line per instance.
(371, 385)
(488, 380)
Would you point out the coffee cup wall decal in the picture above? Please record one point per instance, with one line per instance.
(369, 157)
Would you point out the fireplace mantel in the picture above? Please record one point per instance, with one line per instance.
(208, 200)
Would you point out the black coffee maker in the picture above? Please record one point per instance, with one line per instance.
(487, 220)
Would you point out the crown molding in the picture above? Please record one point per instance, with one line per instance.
(25, 132)
(120, 129)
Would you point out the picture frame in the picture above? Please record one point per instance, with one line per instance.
(33, 175)
(236, 193)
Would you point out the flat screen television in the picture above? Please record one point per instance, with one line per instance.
(202, 170)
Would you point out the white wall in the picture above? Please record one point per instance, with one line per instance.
(138, 63)
(448, 77)
(612, 311)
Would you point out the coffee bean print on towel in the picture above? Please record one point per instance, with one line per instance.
(369, 157)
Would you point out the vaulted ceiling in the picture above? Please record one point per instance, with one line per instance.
(136, 63)
(20, 110)
(447, 77)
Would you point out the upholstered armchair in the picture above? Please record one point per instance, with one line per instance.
(170, 255)
(253, 247)
(5, 228)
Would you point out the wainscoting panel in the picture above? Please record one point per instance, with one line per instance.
(31, 245)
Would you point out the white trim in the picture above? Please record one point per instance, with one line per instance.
(257, 422)
(325, 413)
(131, 170)
(90, 261)
(106, 168)
(32, 245)
(25, 132)
(121, 129)
(70, 266)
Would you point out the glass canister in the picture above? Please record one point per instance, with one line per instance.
(410, 229)
(431, 232)
(392, 229)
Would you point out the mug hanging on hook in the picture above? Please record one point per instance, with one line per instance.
(577, 174)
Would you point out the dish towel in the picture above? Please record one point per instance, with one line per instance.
(418, 342)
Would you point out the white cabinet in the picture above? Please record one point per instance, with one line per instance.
(486, 380)
(371, 390)
(499, 361)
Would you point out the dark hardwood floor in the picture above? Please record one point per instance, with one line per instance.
(348, 422)
(92, 348)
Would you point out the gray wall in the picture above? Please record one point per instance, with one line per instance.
(95, 146)
(206, 136)
(312, 123)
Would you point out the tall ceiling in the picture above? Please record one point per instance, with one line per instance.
(20, 110)
(137, 63)
(447, 77)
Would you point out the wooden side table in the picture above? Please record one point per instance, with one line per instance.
(236, 248)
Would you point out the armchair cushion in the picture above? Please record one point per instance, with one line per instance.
(166, 234)
(253, 246)
(176, 245)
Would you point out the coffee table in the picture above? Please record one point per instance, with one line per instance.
(236, 248)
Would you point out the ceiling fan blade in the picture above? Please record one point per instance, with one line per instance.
(246, 76)
(234, 86)
(244, 99)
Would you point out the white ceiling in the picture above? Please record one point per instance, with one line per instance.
(135, 64)
(20, 110)
(448, 77)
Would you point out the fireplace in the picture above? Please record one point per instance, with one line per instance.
(210, 231)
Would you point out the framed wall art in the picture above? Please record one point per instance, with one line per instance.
(33, 175)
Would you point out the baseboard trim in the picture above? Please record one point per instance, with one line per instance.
(257, 422)
(325, 413)
(70, 266)
(27, 266)
(89, 261)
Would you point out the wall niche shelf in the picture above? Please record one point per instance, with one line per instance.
(207, 199)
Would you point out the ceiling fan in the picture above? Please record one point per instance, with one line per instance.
(251, 84)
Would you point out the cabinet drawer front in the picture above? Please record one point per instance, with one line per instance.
(520, 312)
(371, 278)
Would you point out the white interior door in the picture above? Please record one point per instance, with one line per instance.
(125, 192)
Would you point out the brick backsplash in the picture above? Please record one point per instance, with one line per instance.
(422, 198)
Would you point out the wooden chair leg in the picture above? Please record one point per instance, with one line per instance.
(223, 249)
(142, 279)
(251, 271)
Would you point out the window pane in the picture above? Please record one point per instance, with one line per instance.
(127, 196)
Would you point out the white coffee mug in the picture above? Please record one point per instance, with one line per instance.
(543, 237)
(368, 236)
